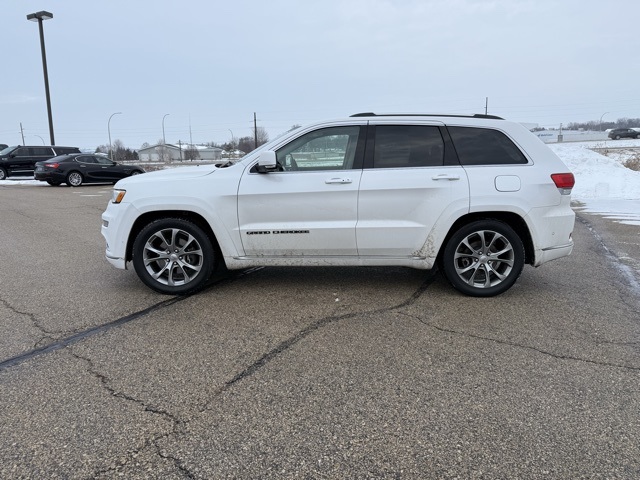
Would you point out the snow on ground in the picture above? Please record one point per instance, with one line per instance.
(603, 184)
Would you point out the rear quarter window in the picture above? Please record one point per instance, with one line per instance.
(67, 150)
(485, 146)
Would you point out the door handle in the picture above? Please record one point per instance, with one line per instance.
(446, 176)
(337, 180)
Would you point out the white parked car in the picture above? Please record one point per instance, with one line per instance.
(476, 195)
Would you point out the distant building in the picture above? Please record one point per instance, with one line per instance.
(169, 152)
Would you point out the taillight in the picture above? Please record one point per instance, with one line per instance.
(52, 165)
(564, 182)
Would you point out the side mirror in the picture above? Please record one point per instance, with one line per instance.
(267, 161)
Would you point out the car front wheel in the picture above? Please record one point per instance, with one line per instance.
(173, 256)
(483, 258)
(3, 174)
(74, 179)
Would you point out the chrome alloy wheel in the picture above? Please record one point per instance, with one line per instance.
(484, 259)
(172, 257)
(74, 179)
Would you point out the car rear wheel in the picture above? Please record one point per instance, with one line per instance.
(74, 179)
(173, 256)
(617, 137)
(3, 174)
(483, 258)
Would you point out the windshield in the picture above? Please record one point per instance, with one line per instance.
(7, 150)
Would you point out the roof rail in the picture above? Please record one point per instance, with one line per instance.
(477, 115)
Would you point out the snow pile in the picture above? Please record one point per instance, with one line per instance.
(597, 176)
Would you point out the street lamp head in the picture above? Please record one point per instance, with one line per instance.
(34, 17)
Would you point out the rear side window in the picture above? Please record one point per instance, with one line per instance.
(402, 146)
(484, 146)
(41, 151)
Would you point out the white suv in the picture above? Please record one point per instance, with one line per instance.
(476, 195)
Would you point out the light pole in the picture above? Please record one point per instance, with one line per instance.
(109, 130)
(163, 139)
(39, 17)
(601, 120)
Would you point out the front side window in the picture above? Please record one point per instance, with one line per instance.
(331, 148)
(102, 160)
(402, 146)
(21, 152)
(484, 146)
(85, 159)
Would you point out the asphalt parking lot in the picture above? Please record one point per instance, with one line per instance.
(310, 373)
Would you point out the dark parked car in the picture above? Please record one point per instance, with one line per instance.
(76, 169)
(21, 160)
(618, 133)
(3, 146)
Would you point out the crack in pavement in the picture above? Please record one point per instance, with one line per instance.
(519, 345)
(30, 316)
(178, 425)
(70, 340)
(305, 332)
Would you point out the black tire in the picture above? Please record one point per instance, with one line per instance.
(483, 258)
(617, 137)
(184, 270)
(53, 184)
(74, 179)
(135, 172)
(3, 174)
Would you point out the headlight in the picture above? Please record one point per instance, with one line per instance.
(117, 195)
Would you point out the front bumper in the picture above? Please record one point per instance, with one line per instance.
(117, 221)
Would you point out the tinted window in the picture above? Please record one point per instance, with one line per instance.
(399, 146)
(21, 152)
(103, 160)
(86, 159)
(42, 151)
(63, 150)
(483, 146)
(325, 149)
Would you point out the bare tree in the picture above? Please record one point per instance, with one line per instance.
(263, 136)
(191, 153)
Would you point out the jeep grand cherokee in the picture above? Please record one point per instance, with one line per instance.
(476, 195)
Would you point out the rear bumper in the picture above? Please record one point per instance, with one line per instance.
(553, 253)
(49, 176)
(551, 229)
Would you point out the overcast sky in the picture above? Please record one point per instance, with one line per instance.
(210, 64)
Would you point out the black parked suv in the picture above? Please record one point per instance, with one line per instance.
(21, 160)
(618, 133)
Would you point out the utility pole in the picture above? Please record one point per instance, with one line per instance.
(255, 131)
(486, 105)
(22, 133)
